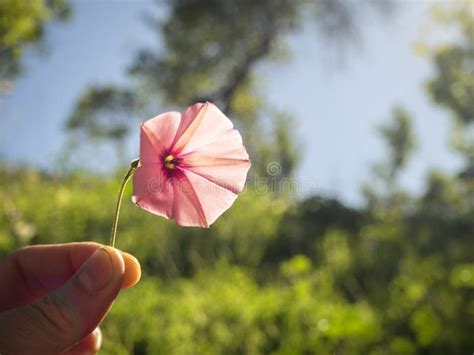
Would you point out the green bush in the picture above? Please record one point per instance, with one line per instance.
(272, 276)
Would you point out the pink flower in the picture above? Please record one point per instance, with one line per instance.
(192, 166)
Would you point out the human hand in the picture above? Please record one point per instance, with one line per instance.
(53, 297)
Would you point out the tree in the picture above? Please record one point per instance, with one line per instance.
(22, 22)
(210, 50)
(453, 83)
(103, 113)
(400, 141)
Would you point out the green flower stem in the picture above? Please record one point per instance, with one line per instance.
(133, 166)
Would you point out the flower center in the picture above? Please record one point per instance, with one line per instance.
(171, 162)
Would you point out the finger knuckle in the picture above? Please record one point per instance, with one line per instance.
(56, 317)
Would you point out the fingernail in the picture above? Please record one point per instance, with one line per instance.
(98, 332)
(98, 340)
(96, 272)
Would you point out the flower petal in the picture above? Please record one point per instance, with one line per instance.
(224, 162)
(230, 179)
(157, 135)
(228, 144)
(188, 210)
(153, 190)
(213, 199)
(200, 125)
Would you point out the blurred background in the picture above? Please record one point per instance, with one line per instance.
(355, 234)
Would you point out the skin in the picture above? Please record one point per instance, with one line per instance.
(53, 297)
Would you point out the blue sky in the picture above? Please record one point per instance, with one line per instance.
(337, 108)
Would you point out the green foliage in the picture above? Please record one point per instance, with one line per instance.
(22, 22)
(463, 275)
(399, 137)
(103, 113)
(383, 192)
(226, 311)
(426, 325)
(270, 276)
(453, 83)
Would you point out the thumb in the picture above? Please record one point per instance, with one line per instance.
(68, 314)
